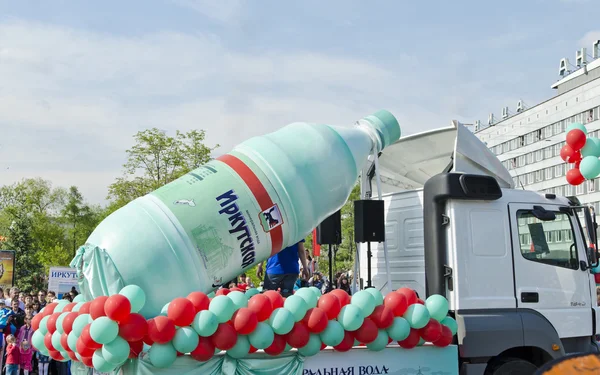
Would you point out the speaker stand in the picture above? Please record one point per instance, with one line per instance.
(369, 255)
(330, 255)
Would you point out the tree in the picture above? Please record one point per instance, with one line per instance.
(155, 160)
(79, 218)
(20, 240)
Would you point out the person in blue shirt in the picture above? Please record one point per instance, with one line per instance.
(283, 268)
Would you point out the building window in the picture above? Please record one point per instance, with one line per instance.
(580, 189)
(539, 175)
(530, 158)
(557, 128)
(539, 155)
(591, 186)
(530, 178)
(559, 170)
(522, 141)
(539, 250)
(558, 236)
(548, 173)
(548, 152)
(548, 131)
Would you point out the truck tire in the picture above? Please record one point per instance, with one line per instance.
(511, 366)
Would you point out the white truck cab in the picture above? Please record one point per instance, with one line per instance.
(514, 264)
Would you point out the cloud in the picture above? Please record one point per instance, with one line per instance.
(71, 100)
(226, 12)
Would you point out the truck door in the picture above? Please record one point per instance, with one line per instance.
(549, 277)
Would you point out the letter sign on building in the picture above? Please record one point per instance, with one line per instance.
(564, 66)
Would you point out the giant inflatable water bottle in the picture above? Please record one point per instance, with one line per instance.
(210, 225)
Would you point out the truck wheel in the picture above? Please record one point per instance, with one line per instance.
(512, 366)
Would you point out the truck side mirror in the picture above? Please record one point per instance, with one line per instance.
(591, 226)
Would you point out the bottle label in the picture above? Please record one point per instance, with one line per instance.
(228, 214)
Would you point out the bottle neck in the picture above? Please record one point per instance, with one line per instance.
(376, 144)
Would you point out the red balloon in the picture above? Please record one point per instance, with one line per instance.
(51, 323)
(181, 311)
(69, 307)
(330, 304)
(396, 302)
(63, 341)
(222, 292)
(574, 177)
(445, 338)
(412, 340)
(567, 153)
(83, 350)
(275, 297)
(411, 296)
(199, 300)
(316, 320)
(161, 329)
(87, 338)
(261, 305)
(277, 347)
(85, 308)
(299, 335)
(225, 337)
(367, 332)
(252, 350)
(49, 309)
(432, 331)
(35, 322)
(420, 301)
(576, 139)
(87, 360)
(204, 351)
(56, 355)
(147, 340)
(67, 323)
(135, 348)
(342, 296)
(134, 328)
(323, 346)
(48, 341)
(346, 344)
(117, 307)
(382, 316)
(97, 307)
(72, 356)
(244, 321)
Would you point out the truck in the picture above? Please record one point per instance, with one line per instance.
(516, 265)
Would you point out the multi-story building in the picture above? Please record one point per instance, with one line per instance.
(528, 142)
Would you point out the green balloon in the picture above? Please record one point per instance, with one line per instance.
(56, 341)
(59, 323)
(136, 296)
(80, 322)
(262, 337)
(421, 342)
(61, 305)
(205, 323)
(211, 295)
(240, 349)
(78, 305)
(590, 167)
(576, 125)
(313, 347)
(239, 299)
(165, 309)
(437, 306)
(365, 301)
(308, 296)
(417, 316)
(44, 324)
(79, 298)
(399, 330)
(103, 330)
(591, 148)
(116, 351)
(376, 295)
(297, 306)
(380, 342)
(222, 307)
(162, 355)
(351, 317)
(101, 364)
(332, 335)
(185, 340)
(72, 341)
(37, 339)
(450, 323)
(316, 290)
(282, 321)
(252, 292)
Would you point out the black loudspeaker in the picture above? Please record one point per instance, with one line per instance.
(329, 232)
(369, 221)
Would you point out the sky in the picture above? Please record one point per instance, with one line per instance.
(79, 78)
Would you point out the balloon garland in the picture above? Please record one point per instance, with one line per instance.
(584, 152)
(105, 332)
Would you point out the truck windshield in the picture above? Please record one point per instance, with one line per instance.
(550, 242)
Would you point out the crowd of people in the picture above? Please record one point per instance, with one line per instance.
(17, 355)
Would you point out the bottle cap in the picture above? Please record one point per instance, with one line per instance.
(386, 125)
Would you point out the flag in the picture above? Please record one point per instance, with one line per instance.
(316, 246)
